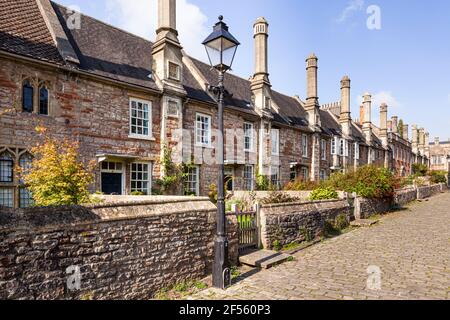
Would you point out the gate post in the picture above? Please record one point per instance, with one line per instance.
(258, 225)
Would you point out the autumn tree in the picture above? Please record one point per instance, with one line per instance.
(56, 176)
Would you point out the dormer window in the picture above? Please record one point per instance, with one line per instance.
(174, 71)
(27, 97)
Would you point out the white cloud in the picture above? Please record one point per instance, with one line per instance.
(382, 97)
(352, 7)
(140, 17)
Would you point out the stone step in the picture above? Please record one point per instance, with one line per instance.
(363, 223)
(264, 259)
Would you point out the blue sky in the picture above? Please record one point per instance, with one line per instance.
(406, 63)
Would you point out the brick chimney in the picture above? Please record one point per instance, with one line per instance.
(367, 122)
(260, 83)
(345, 117)
(384, 124)
(312, 100)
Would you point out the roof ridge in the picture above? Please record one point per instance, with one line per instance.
(247, 80)
(104, 23)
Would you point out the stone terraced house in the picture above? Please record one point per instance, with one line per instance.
(123, 97)
(440, 155)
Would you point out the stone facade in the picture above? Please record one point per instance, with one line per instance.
(440, 155)
(122, 108)
(126, 256)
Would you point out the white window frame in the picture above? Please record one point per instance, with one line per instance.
(251, 136)
(356, 150)
(323, 149)
(252, 178)
(198, 142)
(322, 174)
(275, 133)
(341, 147)
(150, 176)
(197, 182)
(115, 170)
(148, 136)
(305, 145)
(275, 171)
(334, 144)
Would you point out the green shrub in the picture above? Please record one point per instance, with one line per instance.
(275, 197)
(276, 245)
(420, 170)
(322, 193)
(301, 185)
(438, 176)
(137, 193)
(341, 222)
(368, 181)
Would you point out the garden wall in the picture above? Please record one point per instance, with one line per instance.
(295, 222)
(405, 196)
(123, 251)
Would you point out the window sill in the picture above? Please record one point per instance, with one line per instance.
(204, 146)
(146, 138)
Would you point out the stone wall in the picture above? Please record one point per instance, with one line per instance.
(294, 222)
(429, 191)
(365, 208)
(405, 196)
(123, 251)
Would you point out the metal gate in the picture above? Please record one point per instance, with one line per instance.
(248, 230)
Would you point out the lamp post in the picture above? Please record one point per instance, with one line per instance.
(221, 48)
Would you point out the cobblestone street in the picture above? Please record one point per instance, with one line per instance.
(411, 247)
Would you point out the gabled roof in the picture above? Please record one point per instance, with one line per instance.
(23, 31)
(110, 52)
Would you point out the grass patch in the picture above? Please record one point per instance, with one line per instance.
(180, 290)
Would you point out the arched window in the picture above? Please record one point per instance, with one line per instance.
(6, 167)
(27, 97)
(43, 100)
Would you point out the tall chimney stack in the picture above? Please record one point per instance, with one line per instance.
(167, 51)
(312, 99)
(395, 124)
(415, 138)
(367, 123)
(345, 117)
(261, 35)
(406, 132)
(260, 83)
(384, 124)
(167, 20)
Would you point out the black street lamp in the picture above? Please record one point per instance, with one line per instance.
(221, 48)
